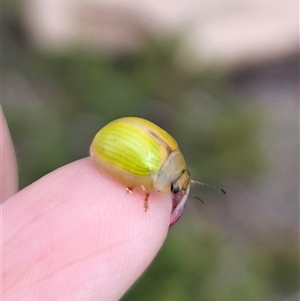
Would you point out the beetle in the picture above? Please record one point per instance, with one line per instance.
(140, 154)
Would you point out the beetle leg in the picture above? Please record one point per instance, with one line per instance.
(129, 189)
(146, 207)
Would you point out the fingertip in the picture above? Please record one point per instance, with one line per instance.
(84, 217)
(8, 166)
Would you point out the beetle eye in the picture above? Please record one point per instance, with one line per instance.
(175, 188)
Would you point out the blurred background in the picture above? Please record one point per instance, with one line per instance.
(221, 76)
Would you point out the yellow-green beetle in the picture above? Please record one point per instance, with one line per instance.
(139, 154)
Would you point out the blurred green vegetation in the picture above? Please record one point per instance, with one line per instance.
(56, 103)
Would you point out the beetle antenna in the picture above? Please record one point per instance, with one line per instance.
(209, 185)
(196, 197)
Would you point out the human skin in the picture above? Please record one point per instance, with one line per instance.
(75, 234)
(8, 162)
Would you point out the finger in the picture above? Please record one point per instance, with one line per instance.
(8, 165)
(77, 235)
